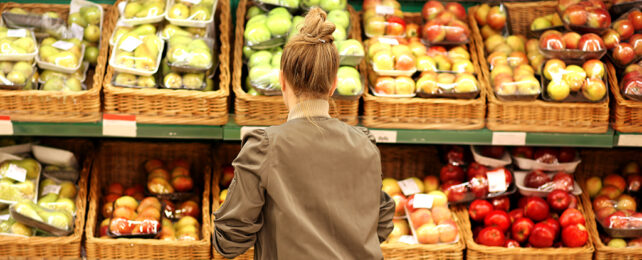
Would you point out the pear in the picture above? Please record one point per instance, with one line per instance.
(5, 225)
(6, 66)
(198, 44)
(77, 19)
(17, 77)
(65, 59)
(171, 30)
(27, 209)
(125, 59)
(144, 29)
(21, 229)
(120, 31)
(200, 12)
(58, 219)
(180, 40)
(72, 84)
(48, 200)
(92, 33)
(153, 44)
(146, 81)
(48, 41)
(131, 9)
(24, 67)
(176, 54)
(47, 51)
(66, 205)
(151, 9)
(25, 43)
(124, 79)
(145, 63)
(91, 14)
(31, 165)
(200, 58)
(209, 85)
(193, 80)
(53, 15)
(27, 188)
(54, 84)
(91, 55)
(179, 11)
(173, 80)
(200, 32)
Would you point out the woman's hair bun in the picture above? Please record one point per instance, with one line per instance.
(315, 28)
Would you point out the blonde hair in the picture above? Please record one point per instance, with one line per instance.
(310, 61)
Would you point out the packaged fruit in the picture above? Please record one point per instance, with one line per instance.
(17, 44)
(116, 190)
(60, 55)
(265, 31)
(185, 229)
(571, 46)
(179, 80)
(391, 57)
(390, 86)
(492, 19)
(191, 13)
(575, 82)
(540, 183)
(135, 12)
(264, 67)
(546, 158)
(55, 222)
(61, 172)
(545, 23)
(615, 204)
(127, 80)
(631, 84)
(622, 243)
(430, 223)
(351, 52)
(170, 30)
(70, 84)
(187, 54)
(44, 24)
(349, 83)
(133, 219)
(447, 84)
(174, 185)
(400, 233)
(623, 39)
(491, 156)
(16, 75)
(586, 16)
(18, 179)
(85, 20)
(137, 52)
(80, 74)
(478, 182)
(9, 227)
(326, 5)
(511, 75)
(444, 23)
(439, 59)
(176, 210)
(58, 195)
(383, 18)
(289, 5)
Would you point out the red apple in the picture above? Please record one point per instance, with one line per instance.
(563, 181)
(536, 209)
(515, 214)
(636, 42)
(400, 204)
(421, 217)
(457, 32)
(491, 236)
(619, 219)
(571, 217)
(603, 201)
(522, 229)
(573, 204)
(594, 68)
(431, 9)
(182, 183)
(542, 236)
(498, 218)
(546, 155)
(598, 17)
(635, 16)
(590, 42)
(553, 224)
(433, 31)
(633, 182)
(552, 40)
(479, 186)
(455, 154)
(451, 173)
(574, 235)
(616, 181)
(454, 190)
(571, 39)
(475, 169)
(567, 154)
(431, 183)
(636, 220)
(457, 9)
(412, 30)
(575, 15)
(496, 152)
(496, 18)
(604, 213)
(624, 28)
(536, 178)
(523, 152)
(558, 200)
(501, 203)
(510, 243)
(116, 188)
(189, 208)
(624, 53)
(611, 39)
(479, 209)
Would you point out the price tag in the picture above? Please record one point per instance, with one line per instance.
(16, 33)
(391, 41)
(5, 81)
(194, 2)
(629, 140)
(384, 136)
(246, 129)
(407, 239)
(5, 217)
(63, 45)
(77, 31)
(17, 173)
(119, 125)
(509, 138)
(496, 181)
(130, 44)
(423, 201)
(384, 9)
(6, 127)
(408, 187)
(55, 189)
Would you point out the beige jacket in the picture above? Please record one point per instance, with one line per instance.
(306, 190)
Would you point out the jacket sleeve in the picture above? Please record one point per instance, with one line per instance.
(239, 218)
(386, 212)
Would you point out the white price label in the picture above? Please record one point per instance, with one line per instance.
(496, 181)
(55, 189)
(391, 41)
(384, 136)
(384, 10)
(130, 44)
(5, 81)
(6, 127)
(408, 187)
(63, 45)
(509, 138)
(119, 125)
(77, 31)
(407, 239)
(5, 217)
(17, 173)
(246, 129)
(194, 2)
(629, 140)
(16, 33)
(423, 201)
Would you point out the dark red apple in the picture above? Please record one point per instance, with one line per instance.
(454, 190)
(455, 154)
(479, 186)
(536, 209)
(498, 218)
(451, 173)
(522, 229)
(635, 16)
(571, 217)
(542, 236)
(546, 155)
(567, 154)
(501, 203)
(523, 152)
(559, 200)
(563, 181)
(515, 214)
(479, 209)
(496, 152)
(536, 178)
(475, 169)
(491, 236)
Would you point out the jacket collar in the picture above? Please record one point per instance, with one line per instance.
(310, 108)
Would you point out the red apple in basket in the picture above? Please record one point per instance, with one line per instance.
(536, 209)
(491, 236)
(542, 236)
(571, 39)
(590, 42)
(478, 209)
(431, 9)
(558, 200)
(475, 169)
(523, 152)
(496, 18)
(574, 235)
(522, 229)
(498, 218)
(575, 15)
(501, 203)
(635, 16)
(611, 39)
(536, 179)
(451, 172)
(624, 28)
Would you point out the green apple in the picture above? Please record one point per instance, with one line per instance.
(91, 54)
(257, 19)
(350, 47)
(311, 3)
(339, 18)
(276, 60)
(348, 71)
(77, 19)
(259, 57)
(275, 83)
(279, 25)
(178, 11)
(193, 80)
(339, 34)
(253, 11)
(260, 74)
(173, 80)
(54, 84)
(248, 51)
(91, 14)
(347, 84)
(92, 33)
(257, 33)
(330, 5)
(280, 11)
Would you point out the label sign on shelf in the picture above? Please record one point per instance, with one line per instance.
(6, 127)
(408, 187)
(509, 138)
(119, 125)
(384, 136)
(246, 129)
(629, 140)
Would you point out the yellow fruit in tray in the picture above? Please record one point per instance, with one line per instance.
(72, 84)
(92, 33)
(124, 79)
(173, 80)
(68, 190)
(47, 51)
(193, 80)
(26, 209)
(131, 9)
(146, 81)
(48, 41)
(200, 58)
(120, 31)
(65, 59)
(91, 14)
(77, 19)
(145, 63)
(151, 9)
(17, 10)
(21, 229)
(200, 12)
(54, 84)
(171, 30)
(179, 11)
(25, 43)
(58, 219)
(125, 59)
(65, 204)
(24, 67)
(17, 78)
(144, 29)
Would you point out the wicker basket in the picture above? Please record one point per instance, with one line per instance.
(270, 110)
(68, 247)
(594, 166)
(122, 162)
(163, 106)
(626, 114)
(59, 106)
(477, 251)
(536, 116)
(427, 113)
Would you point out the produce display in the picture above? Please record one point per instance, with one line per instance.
(136, 12)
(585, 16)
(17, 44)
(391, 57)
(383, 18)
(19, 180)
(631, 85)
(576, 82)
(60, 55)
(186, 228)
(10, 227)
(55, 221)
(511, 75)
(444, 23)
(546, 158)
(492, 19)
(161, 182)
(137, 52)
(624, 40)
(571, 45)
(85, 18)
(268, 30)
(448, 84)
(16, 74)
(190, 13)
(170, 30)
(58, 195)
(543, 23)
(189, 54)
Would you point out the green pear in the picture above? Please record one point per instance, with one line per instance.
(47, 51)
(172, 80)
(91, 14)
(21, 229)
(53, 15)
(92, 33)
(17, 77)
(54, 84)
(58, 219)
(200, 58)
(48, 201)
(144, 29)
(131, 9)
(124, 79)
(77, 19)
(253, 11)
(25, 43)
(6, 66)
(27, 209)
(31, 165)
(66, 205)
(209, 85)
(193, 80)
(200, 12)
(23, 67)
(48, 41)
(146, 81)
(198, 44)
(178, 11)
(72, 84)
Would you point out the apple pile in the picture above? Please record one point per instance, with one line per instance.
(16, 73)
(546, 22)
(132, 218)
(564, 80)
(390, 56)
(491, 19)
(383, 18)
(510, 73)
(444, 23)
(621, 243)
(531, 224)
(186, 228)
(614, 207)
(555, 40)
(624, 44)
(438, 58)
(431, 225)
(591, 14)
(55, 219)
(58, 195)
(631, 85)
(190, 10)
(327, 5)
(88, 17)
(18, 179)
(194, 53)
(22, 43)
(158, 178)
(116, 190)
(446, 82)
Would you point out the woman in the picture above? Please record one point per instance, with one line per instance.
(310, 188)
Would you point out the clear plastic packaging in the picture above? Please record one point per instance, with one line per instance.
(511, 76)
(493, 19)
(545, 23)
(80, 74)
(63, 84)
(484, 156)
(170, 30)
(135, 12)
(58, 195)
(19, 179)
(179, 80)
(571, 46)
(133, 219)
(616, 207)
(548, 159)
(527, 189)
(55, 222)
(292, 6)
(86, 20)
(445, 24)
(326, 5)
(350, 84)
(389, 57)
(351, 52)
(585, 16)
(43, 25)
(448, 85)
(176, 210)
(9, 226)
(16, 75)
(176, 184)
(430, 224)
(191, 13)
(624, 40)
(62, 55)
(266, 31)
(397, 87)
(187, 54)
(17, 44)
(185, 229)
(383, 18)
(481, 183)
(575, 82)
(622, 6)
(139, 55)
(65, 173)
(631, 83)
(439, 59)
